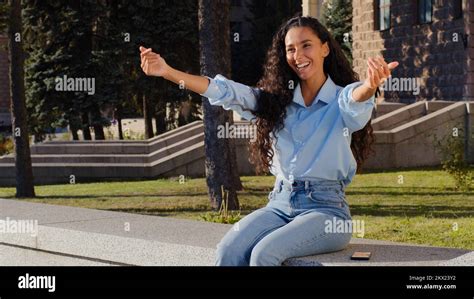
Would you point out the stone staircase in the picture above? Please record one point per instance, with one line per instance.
(403, 139)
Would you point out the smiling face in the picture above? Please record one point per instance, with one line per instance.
(305, 52)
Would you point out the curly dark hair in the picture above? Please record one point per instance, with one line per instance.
(276, 95)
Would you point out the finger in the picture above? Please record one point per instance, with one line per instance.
(375, 78)
(142, 48)
(393, 65)
(371, 63)
(378, 68)
(384, 65)
(370, 76)
(144, 53)
(373, 82)
(376, 65)
(150, 55)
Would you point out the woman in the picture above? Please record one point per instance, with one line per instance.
(313, 126)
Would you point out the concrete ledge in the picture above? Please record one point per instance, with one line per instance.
(20, 256)
(91, 147)
(383, 108)
(124, 238)
(385, 254)
(403, 138)
(399, 116)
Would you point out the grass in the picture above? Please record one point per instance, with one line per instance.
(417, 206)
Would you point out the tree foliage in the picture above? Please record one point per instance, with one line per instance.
(337, 17)
(99, 39)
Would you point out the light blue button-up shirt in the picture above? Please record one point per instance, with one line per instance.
(315, 141)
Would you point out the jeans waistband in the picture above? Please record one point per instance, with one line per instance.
(306, 184)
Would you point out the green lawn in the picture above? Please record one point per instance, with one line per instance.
(424, 208)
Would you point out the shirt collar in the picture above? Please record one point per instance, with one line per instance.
(326, 94)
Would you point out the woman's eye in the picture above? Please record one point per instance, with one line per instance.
(290, 50)
(306, 45)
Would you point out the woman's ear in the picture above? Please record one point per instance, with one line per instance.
(326, 49)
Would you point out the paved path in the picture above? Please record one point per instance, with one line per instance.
(81, 236)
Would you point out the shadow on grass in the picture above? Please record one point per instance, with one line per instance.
(412, 210)
(155, 211)
(356, 210)
(157, 195)
(108, 196)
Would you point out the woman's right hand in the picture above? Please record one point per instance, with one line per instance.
(152, 64)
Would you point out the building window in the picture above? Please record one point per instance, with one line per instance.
(382, 14)
(425, 11)
(457, 5)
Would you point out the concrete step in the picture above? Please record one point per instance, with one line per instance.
(411, 144)
(159, 153)
(407, 141)
(112, 147)
(123, 238)
(188, 162)
(386, 107)
(408, 113)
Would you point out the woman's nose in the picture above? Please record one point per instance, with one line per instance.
(297, 55)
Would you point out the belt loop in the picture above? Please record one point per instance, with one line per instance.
(280, 185)
(306, 185)
(291, 179)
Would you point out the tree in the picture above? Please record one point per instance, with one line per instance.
(337, 16)
(170, 28)
(267, 16)
(24, 172)
(99, 39)
(50, 51)
(221, 162)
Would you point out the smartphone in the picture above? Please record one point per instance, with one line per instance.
(358, 255)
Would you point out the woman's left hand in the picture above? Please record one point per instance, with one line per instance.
(378, 71)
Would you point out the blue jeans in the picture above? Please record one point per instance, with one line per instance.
(293, 223)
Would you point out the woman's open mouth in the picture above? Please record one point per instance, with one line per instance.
(302, 66)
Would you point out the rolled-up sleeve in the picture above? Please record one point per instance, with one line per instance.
(355, 114)
(232, 96)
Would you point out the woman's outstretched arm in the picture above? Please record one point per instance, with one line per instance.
(154, 65)
(219, 90)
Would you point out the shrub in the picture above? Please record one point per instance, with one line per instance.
(451, 148)
(223, 215)
(6, 145)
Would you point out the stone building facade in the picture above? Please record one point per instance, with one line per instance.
(432, 39)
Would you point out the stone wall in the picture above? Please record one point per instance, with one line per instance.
(434, 53)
